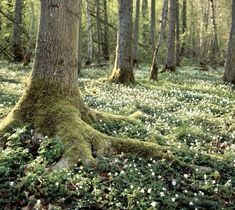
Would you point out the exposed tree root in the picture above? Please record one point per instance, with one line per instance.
(66, 117)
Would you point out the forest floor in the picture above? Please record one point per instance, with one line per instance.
(192, 112)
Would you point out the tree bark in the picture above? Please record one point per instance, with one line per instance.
(170, 62)
(123, 68)
(105, 45)
(89, 35)
(31, 44)
(229, 74)
(215, 42)
(17, 33)
(184, 26)
(79, 36)
(153, 23)
(178, 49)
(155, 66)
(145, 19)
(98, 31)
(136, 32)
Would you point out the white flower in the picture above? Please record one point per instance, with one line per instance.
(162, 194)
(173, 199)
(11, 184)
(173, 182)
(186, 176)
(154, 204)
(142, 190)
(191, 203)
(149, 190)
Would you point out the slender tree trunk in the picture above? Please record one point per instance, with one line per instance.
(17, 33)
(89, 35)
(31, 44)
(145, 19)
(98, 29)
(79, 36)
(170, 62)
(105, 46)
(184, 26)
(177, 34)
(229, 74)
(215, 42)
(0, 18)
(155, 61)
(123, 68)
(153, 24)
(136, 33)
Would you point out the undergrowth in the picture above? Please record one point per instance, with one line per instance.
(192, 112)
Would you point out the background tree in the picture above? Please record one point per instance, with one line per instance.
(123, 68)
(170, 62)
(229, 74)
(105, 44)
(79, 36)
(155, 61)
(136, 32)
(17, 33)
(153, 24)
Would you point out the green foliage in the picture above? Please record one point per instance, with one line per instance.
(190, 112)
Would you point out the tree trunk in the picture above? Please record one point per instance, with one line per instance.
(153, 23)
(89, 35)
(170, 62)
(184, 26)
(229, 74)
(31, 44)
(154, 67)
(79, 36)
(17, 33)
(123, 68)
(0, 19)
(145, 19)
(215, 42)
(136, 33)
(98, 31)
(105, 45)
(178, 49)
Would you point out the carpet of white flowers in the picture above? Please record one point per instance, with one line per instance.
(192, 112)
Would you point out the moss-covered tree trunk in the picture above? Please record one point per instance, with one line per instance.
(229, 74)
(52, 104)
(123, 68)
